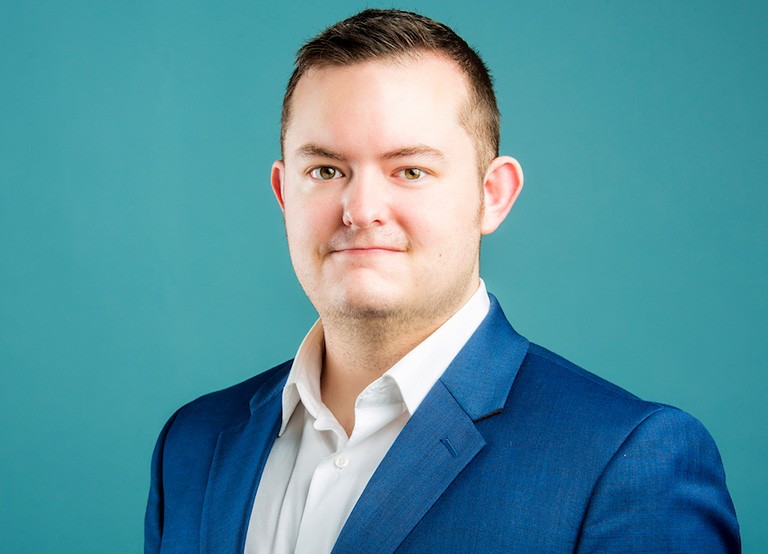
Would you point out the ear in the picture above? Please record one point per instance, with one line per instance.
(278, 182)
(502, 184)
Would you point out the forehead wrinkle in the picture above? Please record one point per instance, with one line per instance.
(312, 150)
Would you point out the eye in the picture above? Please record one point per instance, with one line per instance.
(412, 173)
(325, 173)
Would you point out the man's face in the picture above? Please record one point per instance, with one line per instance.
(380, 190)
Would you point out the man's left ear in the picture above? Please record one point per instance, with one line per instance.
(502, 183)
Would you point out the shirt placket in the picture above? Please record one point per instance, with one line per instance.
(335, 484)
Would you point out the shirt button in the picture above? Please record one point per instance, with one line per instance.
(341, 462)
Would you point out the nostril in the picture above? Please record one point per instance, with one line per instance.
(363, 206)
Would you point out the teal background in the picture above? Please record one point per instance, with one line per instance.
(143, 261)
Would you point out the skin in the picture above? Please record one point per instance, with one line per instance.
(384, 210)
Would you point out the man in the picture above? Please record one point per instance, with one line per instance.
(413, 418)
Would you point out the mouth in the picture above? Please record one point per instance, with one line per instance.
(368, 244)
(367, 250)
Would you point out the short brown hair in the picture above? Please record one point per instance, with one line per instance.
(379, 34)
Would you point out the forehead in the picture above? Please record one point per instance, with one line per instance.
(406, 100)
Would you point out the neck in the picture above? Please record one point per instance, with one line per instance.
(359, 351)
(355, 356)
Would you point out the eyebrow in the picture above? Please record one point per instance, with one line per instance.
(315, 151)
(312, 150)
(417, 150)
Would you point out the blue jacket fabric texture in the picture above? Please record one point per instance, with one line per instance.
(514, 449)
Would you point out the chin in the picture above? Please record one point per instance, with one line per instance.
(368, 301)
(371, 306)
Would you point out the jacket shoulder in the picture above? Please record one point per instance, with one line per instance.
(184, 452)
(668, 469)
(577, 411)
(608, 405)
(554, 379)
(579, 436)
(226, 407)
(540, 357)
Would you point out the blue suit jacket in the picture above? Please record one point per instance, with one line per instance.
(513, 450)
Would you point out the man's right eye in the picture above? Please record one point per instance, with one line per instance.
(325, 173)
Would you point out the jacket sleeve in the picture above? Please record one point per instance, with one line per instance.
(663, 491)
(153, 518)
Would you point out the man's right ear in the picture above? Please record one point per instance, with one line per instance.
(278, 182)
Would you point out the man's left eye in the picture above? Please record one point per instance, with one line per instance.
(412, 173)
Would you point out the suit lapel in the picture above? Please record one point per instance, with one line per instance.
(439, 440)
(238, 462)
(430, 452)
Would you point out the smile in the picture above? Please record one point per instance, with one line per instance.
(367, 251)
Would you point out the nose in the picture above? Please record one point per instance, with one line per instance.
(365, 202)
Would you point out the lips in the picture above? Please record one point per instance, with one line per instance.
(371, 253)
(366, 249)
(358, 244)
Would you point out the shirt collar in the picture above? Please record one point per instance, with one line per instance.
(303, 384)
(419, 370)
(414, 374)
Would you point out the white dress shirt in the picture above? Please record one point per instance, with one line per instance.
(315, 474)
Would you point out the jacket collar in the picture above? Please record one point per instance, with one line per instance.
(474, 378)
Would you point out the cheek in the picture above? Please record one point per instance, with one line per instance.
(308, 221)
(442, 221)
